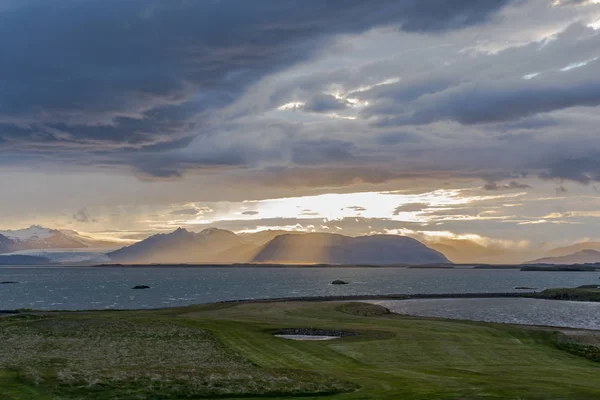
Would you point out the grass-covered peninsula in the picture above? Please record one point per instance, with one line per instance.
(229, 351)
(582, 293)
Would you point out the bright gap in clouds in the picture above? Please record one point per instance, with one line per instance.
(578, 64)
(531, 76)
(395, 206)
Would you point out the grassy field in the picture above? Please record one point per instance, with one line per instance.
(229, 351)
(574, 294)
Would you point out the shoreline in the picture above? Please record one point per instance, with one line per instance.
(368, 299)
(303, 299)
(458, 267)
(381, 297)
(548, 294)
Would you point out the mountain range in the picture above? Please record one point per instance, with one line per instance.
(586, 256)
(182, 246)
(574, 248)
(37, 237)
(270, 246)
(221, 246)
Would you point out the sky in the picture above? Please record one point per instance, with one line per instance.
(465, 121)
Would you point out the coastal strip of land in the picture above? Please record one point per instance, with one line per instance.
(230, 350)
(584, 293)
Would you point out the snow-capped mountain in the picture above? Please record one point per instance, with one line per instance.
(34, 232)
(37, 238)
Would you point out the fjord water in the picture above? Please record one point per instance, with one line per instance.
(585, 315)
(68, 288)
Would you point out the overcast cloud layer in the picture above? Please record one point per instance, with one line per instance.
(107, 106)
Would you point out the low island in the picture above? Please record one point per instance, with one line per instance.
(582, 293)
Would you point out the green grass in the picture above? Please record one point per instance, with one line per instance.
(107, 356)
(229, 351)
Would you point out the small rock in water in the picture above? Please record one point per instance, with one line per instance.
(141, 287)
(7, 282)
(339, 282)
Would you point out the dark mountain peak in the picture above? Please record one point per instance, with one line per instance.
(180, 246)
(339, 249)
(38, 227)
(220, 245)
(177, 234)
(216, 231)
(589, 252)
(6, 245)
(586, 256)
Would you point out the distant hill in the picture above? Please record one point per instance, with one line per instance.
(182, 246)
(263, 237)
(465, 251)
(6, 244)
(338, 249)
(581, 257)
(221, 246)
(23, 260)
(574, 248)
(38, 238)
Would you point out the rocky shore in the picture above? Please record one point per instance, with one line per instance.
(383, 297)
(314, 332)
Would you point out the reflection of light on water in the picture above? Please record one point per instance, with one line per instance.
(95, 288)
(508, 310)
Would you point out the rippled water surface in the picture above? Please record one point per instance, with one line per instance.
(573, 314)
(100, 288)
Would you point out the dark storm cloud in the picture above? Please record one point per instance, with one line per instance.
(514, 88)
(83, 216)
(322, 177)
(250, 213)
(109, 74)
(321, 151)
(579, 169)
(410, 207)
(533, 123)
(393, 138)
(325, 103)
(509, 185)
(171, 164)
(474, 103)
